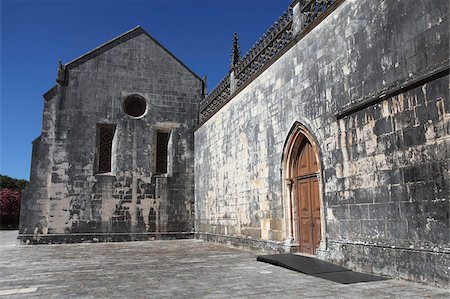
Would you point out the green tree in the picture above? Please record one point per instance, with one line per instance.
(7, 182)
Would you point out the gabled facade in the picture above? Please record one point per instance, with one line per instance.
(114, 160)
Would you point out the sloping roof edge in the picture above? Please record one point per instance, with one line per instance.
(130, 34)
(51, 93)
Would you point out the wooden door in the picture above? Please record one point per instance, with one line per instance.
(307, 198)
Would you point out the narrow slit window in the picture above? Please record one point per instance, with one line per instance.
(162, 141)
(105, 136)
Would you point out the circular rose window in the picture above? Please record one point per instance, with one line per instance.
(134, 106)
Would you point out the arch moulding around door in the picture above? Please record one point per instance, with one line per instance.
(304, 225)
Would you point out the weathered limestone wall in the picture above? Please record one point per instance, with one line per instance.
(385, 169)
(67, 200)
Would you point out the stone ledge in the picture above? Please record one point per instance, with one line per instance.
(26, 239)
(421, 266)
(246, 243)
(429, 249)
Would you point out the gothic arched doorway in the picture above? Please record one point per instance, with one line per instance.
(303, 174)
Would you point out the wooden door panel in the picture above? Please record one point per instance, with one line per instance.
(315, 201)
(313, 165)
(303, 162)
(307, 198)
(307, 162)
(305, 234)
(304, 208)
(306, 244)
(304, 193)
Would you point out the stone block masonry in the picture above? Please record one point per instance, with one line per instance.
(71, 198)
(370, 85)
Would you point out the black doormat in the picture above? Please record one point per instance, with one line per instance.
(349, 277)
(317, 268)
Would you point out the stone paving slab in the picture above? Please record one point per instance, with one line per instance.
(168, 269)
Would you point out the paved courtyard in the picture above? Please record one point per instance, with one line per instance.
(168, 269)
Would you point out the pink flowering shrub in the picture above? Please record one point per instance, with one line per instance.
(9, 208)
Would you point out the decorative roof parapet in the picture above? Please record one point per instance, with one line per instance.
(296, 19)
(312, 9)
(278, 35)
(211, 103)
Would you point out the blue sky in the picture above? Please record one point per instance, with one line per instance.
(36, 33)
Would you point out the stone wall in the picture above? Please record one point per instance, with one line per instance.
(384, 166)
(67, 199)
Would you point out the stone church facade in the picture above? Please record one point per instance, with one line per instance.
(330, 137)
(115, 157)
